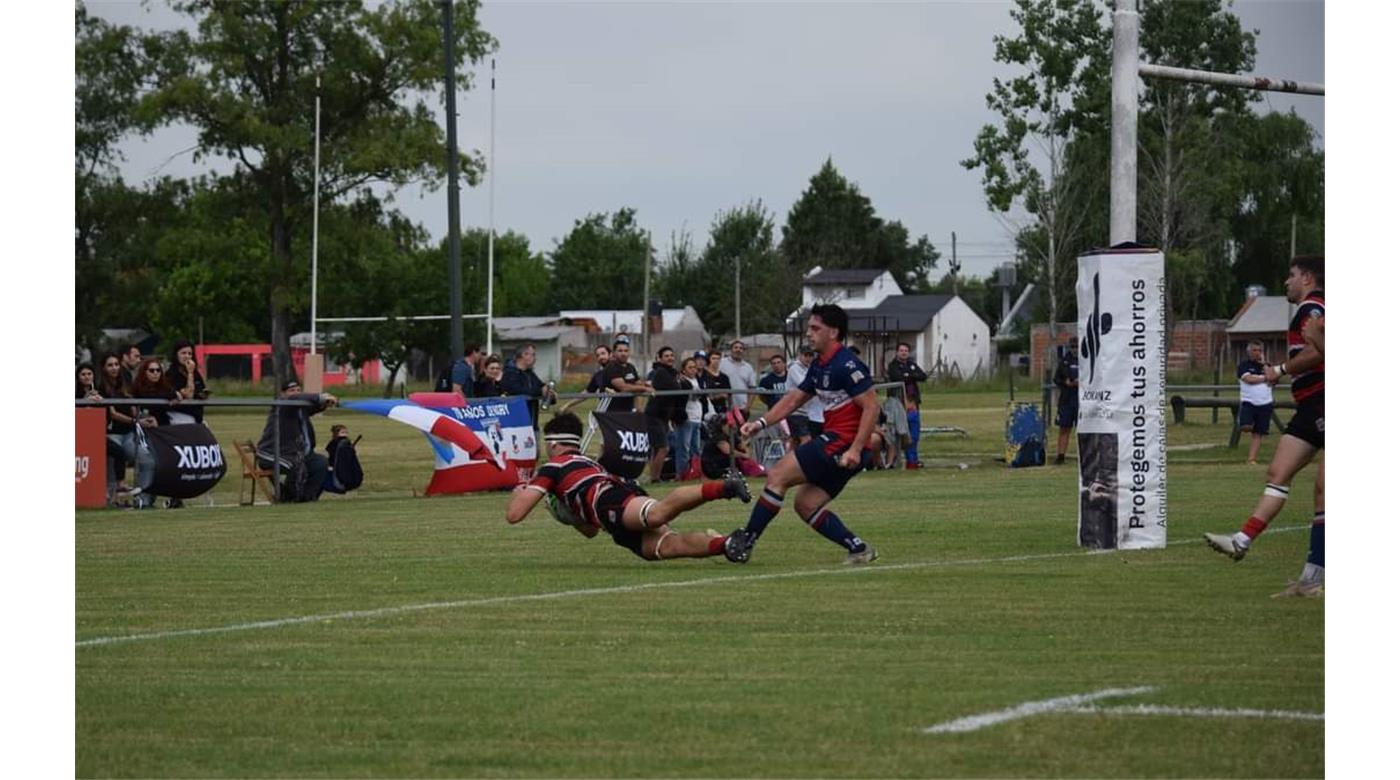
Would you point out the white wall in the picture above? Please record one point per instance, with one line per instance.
(866, 297)
(965, 340)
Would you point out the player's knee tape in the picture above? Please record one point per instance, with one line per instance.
(659, 542)
(1276, 491)
(647, 504)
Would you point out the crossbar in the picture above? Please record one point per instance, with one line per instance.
(414, 317)
(1241, 80)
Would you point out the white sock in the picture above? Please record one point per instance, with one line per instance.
(1311, 573)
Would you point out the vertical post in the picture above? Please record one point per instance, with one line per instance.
(1122, 221)
(491, 220)
(737, 332)
(955, 267)
(646, 300)
(454, 235)
(315, 217)
(1293, 239)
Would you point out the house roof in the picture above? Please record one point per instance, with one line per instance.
(631, 319)
(1262, 314)
(901, 313)
(845, 276)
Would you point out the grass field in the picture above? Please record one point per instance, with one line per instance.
(425, 637)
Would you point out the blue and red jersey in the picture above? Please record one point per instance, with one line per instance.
(836, 378)
(1307, 383)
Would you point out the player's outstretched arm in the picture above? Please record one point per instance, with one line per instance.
(793, 400)
(521, 502)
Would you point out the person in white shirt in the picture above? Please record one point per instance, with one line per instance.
(1256, 399)
(741, 374)
(806, 421)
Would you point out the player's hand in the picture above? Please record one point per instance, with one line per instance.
(750, 428)
(850, 459)
(1271, 376)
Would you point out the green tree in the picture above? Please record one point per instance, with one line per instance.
(834, 225)
(246, 79)
(1062, 53)
(769, 286)
(600, 264)
(522, 277)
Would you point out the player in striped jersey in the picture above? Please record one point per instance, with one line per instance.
(587, 497)
(821, 467)
(1303, 438)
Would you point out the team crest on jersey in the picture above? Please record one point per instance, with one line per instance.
(856, 376)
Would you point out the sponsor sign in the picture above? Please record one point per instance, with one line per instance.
(188, 461)
(626, 444)
(1122, 399)
(90, 463)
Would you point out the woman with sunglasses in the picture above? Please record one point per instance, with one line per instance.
(150, 385)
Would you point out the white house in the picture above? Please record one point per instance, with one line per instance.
(681, 328)
(849, 287)
(553, 339)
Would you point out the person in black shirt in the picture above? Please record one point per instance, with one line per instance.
(661, 410)
(1067, 411)
(622, 377)
(188, 382)
(904, 369)
(712, 378)
(488, 385)
(597, 383)
(520, 379)
(121, 421)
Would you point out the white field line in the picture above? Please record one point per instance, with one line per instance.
(582, 592)
(1030, 708)
(1199, 712)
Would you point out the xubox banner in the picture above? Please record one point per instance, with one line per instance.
(626, 443)
(188, 460)
(1122, 399)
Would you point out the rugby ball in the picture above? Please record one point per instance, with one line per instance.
(561, 511)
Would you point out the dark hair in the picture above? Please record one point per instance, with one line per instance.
(740, 342)
(78, 382)
(564, 422)
(141, 387)
(777, 356)
(663, 351)
(491, 359)
(336, 429)
(689, 360)
(832, 316)
(111, 388)
(906, 344)
(128, 347)
(1255, 343)
(470, 348)
(177, 346)
(1309, 264)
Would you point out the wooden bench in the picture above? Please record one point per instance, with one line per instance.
(252, 472)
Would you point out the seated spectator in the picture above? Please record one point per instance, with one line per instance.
(489, 384)
(303, 468)
(188, 382)
(714, 456)
(343, 471)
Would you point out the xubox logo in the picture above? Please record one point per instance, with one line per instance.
(201, 456)
(1099, 324)
(635, 441)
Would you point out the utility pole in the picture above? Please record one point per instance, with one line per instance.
(1293, 241)
(737, 331)
(454, 235)
(646, 300)
(955, 267)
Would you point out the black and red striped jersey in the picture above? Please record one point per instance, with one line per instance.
(1307, 383)
(575, 480)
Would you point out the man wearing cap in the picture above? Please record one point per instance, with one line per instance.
(290, 427)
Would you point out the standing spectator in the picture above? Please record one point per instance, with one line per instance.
(622, 376)
(688, 432)
(776, 379)
(661, 409)
(597, 383)
(1256, 399)
(121, 423)
(86, 381)
(1067, 410)
(290, 426)
(131, 362)
(464, 372)
(800, 421)
(489, 384)
(904, 369)
(713, 378)
(520, 379)
(187, 381)
(741, 374)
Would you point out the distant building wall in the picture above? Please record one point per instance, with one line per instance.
(1195, 344)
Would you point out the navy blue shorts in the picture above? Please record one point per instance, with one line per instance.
(1067, 415)
(821, 469)
(798, 425)
(1255, 418)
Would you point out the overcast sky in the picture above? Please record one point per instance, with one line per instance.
(684, 110)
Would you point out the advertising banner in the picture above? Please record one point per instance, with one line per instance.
(1122, 399)
(626, 443)
(90, 462)
(188, 461)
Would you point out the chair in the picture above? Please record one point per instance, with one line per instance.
(258, 476)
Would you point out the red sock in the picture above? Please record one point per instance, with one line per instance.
(1253, 527)
(712, 490)
(716, 545)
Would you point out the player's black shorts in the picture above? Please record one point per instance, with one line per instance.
(657, 430)
(1307, 421)
(609, 505)
(822, 470)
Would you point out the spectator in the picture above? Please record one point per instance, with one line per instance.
(775, 380)
(723, 439)
(622, 376)
(489, 384)
(741, 374)
(121, 424)
(86, 380)
(150, 384)
(464, 372)
(131, 362)
(661, 410)
(800, 422)
(1256, 399)
(904, 369)
(303, 468)
(688, 432)
(188, 382)
(596, 383)
(712, 378)
(1067, 409)
(520, 379)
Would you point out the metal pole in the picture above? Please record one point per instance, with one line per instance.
(1245, 80)
(491, 220)
(454, 234)
(315, 215)
(737, 331)
(955, 267)
(1122, 220)
(646, 303)
(1293, 238)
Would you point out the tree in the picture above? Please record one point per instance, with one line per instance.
(247, 81)
(1063, 49)
(834, 225)
(768, 285)
(522, 278)
(601, 263)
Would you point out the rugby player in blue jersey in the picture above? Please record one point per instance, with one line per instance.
(820, 468)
